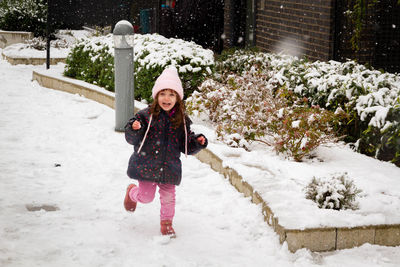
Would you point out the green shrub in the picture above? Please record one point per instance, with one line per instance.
(94, 66)
(383, 143)
(337, 192)
(24, 15)
(152, 53)
(389, 149)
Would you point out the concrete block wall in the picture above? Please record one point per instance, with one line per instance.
(8, 38)
(32, 61)
(321, 239)
(69, 86)
(348, 238)
(315, 239)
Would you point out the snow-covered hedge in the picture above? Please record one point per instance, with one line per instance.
(91, 60)
(152, 53)
(24, 15)
(332, 84)
(370, 98)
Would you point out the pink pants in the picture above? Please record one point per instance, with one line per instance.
(145, 192)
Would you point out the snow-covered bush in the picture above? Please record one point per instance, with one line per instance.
(40, 43)
(298, 129)
(240, 60)
(24, 15)
(383, 144)
(337, 192)
(152, 53)
(239, 105)
(369, 97)
(92, 61)
(244, 109)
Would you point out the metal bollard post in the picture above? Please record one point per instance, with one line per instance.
(123, 67)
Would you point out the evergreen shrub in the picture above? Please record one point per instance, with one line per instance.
(337, 192)
(92, 63)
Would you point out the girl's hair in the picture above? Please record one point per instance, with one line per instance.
(179, 109)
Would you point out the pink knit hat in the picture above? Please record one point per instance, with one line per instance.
(169, 79)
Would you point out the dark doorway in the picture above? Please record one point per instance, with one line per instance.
(380, 38)
(238, 15)
(199, 21)
(387, 53)
(73, 14)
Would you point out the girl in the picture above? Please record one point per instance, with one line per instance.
(159, 134)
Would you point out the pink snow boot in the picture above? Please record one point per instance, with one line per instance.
(129, 204)
(166, 228)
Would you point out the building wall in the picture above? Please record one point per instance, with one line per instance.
(296, 27)
(74, 14)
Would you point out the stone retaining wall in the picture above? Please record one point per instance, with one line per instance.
(315, 239)
(69, 86)
(32, 61)
(8, 38)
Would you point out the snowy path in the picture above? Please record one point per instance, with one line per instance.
(41, 129)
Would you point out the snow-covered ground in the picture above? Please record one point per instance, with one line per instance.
(61, 150)
(59, 47)
(282, 183)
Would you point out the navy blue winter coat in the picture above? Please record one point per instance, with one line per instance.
(159, 159)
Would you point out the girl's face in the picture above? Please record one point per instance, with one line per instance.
(167, 99)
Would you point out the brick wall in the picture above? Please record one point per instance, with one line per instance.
(297, 27)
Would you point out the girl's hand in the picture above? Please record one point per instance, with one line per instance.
(136, 125)
(201, 140)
